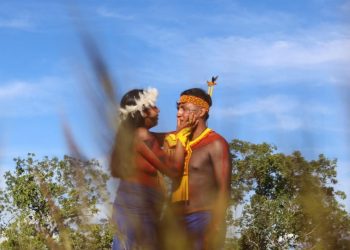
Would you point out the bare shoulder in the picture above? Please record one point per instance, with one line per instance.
(219, 149)
(218, 141)
(143, 134)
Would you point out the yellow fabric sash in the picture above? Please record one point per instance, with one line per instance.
(181, 193)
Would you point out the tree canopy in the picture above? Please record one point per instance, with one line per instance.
(288, 201)
(49, 204)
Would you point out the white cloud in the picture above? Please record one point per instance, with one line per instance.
(108, 13)
(345, 7)
(16, 89)
(277, 112)
(288, 122)
(270, 47)
(269, 53)
(275, 104)
(16, 23)
(31, 98)
(313, 56)
(303, 53)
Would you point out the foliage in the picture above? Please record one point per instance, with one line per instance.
(288, 201)
(50, 204)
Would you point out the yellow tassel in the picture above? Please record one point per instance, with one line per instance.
(181, 193)
(171, 140)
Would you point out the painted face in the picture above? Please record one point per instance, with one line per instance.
(151, 118)
(185, 109)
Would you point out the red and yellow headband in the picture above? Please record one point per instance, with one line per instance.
(194, 100)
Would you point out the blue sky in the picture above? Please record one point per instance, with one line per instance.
(282, 66)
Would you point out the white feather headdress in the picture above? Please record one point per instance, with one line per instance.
(147, 99)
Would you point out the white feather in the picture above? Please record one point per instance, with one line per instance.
(146, 100)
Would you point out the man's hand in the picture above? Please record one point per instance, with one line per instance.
(185, 129)
(192, 122)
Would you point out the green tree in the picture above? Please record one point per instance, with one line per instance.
(288, 201)
(51, 204)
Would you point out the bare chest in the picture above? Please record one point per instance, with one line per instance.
(200, 160)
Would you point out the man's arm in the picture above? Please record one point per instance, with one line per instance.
(221, 159)
(159, 136)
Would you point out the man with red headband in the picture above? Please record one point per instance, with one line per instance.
(200, 197)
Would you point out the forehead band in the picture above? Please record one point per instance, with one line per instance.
(194, 100)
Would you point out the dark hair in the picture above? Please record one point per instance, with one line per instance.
(121, 161)
(129, 99)
(200, 93)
